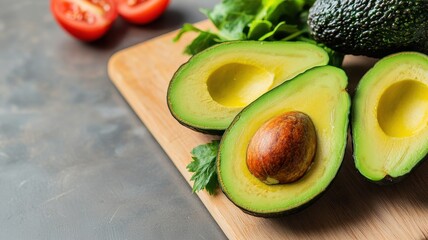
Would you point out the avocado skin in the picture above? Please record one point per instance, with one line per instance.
(205, 131)
(370, 27)
(280, 214)
(388, 180)
(284, 213)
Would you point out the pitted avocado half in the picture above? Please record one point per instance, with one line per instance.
(390, 117)
(321, 94)
(208, 91)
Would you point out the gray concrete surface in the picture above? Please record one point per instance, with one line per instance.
(75, 161)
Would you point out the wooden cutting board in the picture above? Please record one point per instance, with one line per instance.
(352, 208)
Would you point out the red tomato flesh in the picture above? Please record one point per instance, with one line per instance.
(141, 11)
(86, 20)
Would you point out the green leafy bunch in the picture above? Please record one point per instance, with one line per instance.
(260, 20)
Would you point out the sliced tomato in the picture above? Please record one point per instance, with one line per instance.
(141, 11)
(86, 20)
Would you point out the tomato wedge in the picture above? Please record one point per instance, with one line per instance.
(141, 11)
(86, 20)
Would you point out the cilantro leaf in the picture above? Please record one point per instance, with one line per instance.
(232, 17)
(258, 28)
(203, 167)
(272, 10)
(204, 40)
(187, 27)
(282, 29)
(201, 42)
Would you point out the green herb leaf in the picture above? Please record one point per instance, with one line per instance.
(201, 42)
(203, 167)
(282, 30)
(258, 28)
(232, 17)
(272, 10)
(187, 27)
(204, 40)
(293, 8)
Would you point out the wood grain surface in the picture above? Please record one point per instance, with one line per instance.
(352, 208)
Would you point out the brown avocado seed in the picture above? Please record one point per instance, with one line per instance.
(283, 148)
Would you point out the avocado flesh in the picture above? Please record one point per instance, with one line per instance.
(208, 91)
(390, 117)
(321, 94)
(370, 27)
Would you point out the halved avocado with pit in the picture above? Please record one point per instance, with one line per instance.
(208, 91)
(321, 94)
(390, 117)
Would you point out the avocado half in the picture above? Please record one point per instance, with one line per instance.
(390, 117)
(208, 91)
(321, 94)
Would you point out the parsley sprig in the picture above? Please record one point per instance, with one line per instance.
(203, 167)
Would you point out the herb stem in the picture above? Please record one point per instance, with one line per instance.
(294, 35)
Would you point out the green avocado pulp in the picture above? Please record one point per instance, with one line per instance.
(237, 84)
(403, 108)
(390, 117)
(208, 91)
(320, 93)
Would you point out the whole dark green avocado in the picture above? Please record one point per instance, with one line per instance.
(374, 28)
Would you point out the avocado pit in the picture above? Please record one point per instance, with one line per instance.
(282, 149)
